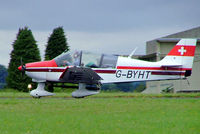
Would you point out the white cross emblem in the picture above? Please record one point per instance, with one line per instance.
(182, 50)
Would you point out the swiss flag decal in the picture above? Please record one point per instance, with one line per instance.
(182, 50)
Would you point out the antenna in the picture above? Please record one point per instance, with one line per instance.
(132, 52)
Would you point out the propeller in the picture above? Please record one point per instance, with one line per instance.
(23, 67)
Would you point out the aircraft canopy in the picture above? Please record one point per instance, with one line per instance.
(87, 59)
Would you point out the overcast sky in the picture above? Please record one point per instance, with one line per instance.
(109, 26)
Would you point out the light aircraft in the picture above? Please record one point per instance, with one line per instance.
(72, 68)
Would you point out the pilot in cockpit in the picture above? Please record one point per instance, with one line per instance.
(76, 57)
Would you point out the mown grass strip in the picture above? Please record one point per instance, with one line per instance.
(104, 95)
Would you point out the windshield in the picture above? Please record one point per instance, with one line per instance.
(68, 59)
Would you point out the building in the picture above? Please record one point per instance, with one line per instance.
(158, 48)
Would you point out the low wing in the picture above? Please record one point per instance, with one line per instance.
(80, 75)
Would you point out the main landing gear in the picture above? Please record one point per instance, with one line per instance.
(85, 90)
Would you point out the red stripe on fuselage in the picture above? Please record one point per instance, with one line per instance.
(105, 71)
(167, 73)
(62, 70)
(152, 68)
(44, 70)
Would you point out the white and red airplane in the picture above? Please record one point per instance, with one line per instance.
(69, 68)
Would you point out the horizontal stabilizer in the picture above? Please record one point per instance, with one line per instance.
(171, 65)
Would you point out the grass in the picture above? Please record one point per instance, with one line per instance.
(103, 113)
(10, 93)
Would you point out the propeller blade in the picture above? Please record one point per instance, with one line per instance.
(23, 69)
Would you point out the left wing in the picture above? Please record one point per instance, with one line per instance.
(80, 75)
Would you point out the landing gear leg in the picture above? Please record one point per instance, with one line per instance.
(82, 91)
(39, 91)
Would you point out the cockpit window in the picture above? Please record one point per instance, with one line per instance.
(108, 61)
(68, 59)
(87, 59)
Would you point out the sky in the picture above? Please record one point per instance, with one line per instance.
(103, 26)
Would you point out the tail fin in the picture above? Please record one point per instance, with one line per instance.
(185, 47)
(182, 55)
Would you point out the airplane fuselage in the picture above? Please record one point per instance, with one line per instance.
(141, 71)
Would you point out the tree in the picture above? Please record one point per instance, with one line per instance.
(57, 44)
(25, 48)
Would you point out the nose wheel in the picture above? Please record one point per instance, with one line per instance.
(40, 92)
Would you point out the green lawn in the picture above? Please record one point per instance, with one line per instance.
(105, 114)
(10, 93)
